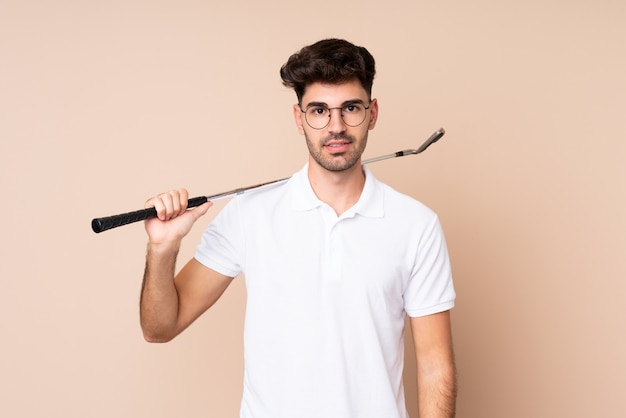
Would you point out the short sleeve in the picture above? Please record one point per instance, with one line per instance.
(430, 289)
(221, 246)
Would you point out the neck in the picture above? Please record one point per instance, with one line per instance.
(338, 189)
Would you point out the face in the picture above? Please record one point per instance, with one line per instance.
(338, 146)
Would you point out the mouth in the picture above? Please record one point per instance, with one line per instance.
(336, 146)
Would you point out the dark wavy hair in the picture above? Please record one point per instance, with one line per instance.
(332, 61)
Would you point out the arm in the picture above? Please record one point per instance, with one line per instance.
(436, 372)
(170, 304)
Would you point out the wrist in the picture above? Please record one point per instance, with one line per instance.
(164, 247)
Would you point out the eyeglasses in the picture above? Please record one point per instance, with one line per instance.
(318, 115)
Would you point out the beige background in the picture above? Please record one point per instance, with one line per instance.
(104, 103)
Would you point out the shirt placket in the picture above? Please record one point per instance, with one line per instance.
(331, 263)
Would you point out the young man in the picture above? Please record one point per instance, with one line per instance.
(333, 261)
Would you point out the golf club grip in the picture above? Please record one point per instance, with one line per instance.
(110, 222)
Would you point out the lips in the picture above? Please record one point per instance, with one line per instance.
(336, 145)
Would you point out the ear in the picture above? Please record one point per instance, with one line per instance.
(373, 114)
(297, 116)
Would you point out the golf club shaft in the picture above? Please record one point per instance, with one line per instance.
(102, 224)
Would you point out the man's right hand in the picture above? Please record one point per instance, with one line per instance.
(173, 221)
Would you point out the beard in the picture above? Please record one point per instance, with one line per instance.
(336, 162)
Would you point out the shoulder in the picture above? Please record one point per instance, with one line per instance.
(401, 204)
(261, 198)
(284, 192)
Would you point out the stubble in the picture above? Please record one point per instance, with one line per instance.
(336, 162)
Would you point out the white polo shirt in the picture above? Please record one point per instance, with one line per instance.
(328, 295)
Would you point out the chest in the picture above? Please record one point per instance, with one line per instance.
(314, 253)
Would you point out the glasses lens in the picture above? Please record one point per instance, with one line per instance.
(317, 116)
(353, 114)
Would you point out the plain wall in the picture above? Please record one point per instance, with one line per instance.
(105, 103)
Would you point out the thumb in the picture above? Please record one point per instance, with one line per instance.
(198, 211)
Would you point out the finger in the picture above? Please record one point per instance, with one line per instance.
(170, 204)
(183, 199)
(179, 201)
(157, 204)
(169, 201)
(149, 203)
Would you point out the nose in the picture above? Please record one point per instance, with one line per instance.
(336, 123)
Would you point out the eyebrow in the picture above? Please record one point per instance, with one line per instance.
(345, 103)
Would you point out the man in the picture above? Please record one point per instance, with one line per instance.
(333, 261)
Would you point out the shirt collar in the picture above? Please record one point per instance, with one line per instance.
(370, 204)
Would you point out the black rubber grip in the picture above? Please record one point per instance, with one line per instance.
(110, 222)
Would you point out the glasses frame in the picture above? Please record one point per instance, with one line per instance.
(358, 102)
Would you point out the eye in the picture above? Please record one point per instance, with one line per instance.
(317, 111)
(353, 108)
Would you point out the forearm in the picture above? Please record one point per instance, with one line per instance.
(159, 297)
(437, 390)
